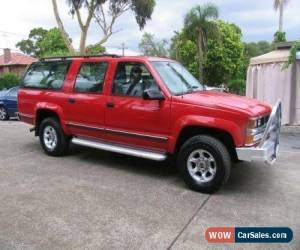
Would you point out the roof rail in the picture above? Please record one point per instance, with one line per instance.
(71, 57)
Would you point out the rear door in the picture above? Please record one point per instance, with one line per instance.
(86, 102)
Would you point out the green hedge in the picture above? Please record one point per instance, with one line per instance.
(9, 80)
(237, 86)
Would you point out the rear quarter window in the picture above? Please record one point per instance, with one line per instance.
(46, 75)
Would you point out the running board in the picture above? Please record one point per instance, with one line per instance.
(120, 149)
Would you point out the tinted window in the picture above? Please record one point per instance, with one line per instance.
(46, 75)
(132, 79)
(91, 77)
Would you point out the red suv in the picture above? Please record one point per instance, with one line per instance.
(146, 107)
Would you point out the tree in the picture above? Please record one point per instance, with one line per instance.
(30, 46)
(149, 47)
(199, 26)
(224, 55)
(104, 17)
(42, 43)
(256, 49)
(184, 50)
(279, 5)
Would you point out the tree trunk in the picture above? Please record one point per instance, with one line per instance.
(82, 42)
(281, 17)
(200, 57)
(62, 29)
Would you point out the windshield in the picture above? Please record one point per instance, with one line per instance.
(178, 80)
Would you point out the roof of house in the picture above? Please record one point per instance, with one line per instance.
(276, 56)
(17, 59)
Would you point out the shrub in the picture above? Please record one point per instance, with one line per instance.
(9, 80)
(279, 37)
(237, 86)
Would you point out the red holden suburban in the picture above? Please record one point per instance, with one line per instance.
(146, 107)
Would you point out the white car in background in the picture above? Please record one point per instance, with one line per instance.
(221, 88)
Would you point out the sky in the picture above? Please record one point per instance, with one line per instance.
(256, 18)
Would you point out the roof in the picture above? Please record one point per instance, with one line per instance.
(276, 56)
(129, 58)
(271, 57)
(17, 59)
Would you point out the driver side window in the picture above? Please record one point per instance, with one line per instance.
(132, 79)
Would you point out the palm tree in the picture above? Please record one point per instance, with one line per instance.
(199, 26)
(279, 5)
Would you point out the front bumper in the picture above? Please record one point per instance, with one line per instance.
(268, 148)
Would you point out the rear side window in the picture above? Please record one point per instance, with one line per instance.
(90, 78)
(46, 75)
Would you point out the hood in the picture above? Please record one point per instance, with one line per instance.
(227, 101)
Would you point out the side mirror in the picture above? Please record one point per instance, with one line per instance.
(153, 94)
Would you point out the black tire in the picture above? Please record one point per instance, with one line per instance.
(62, 141)
(3, 114)
(221, 164)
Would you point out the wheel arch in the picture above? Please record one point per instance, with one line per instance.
(2, 105)
(43, 113)
(220, 134)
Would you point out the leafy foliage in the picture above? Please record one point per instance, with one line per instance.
(95, 50)
(8, 80)
(224, 55)
(184, 50)
(293, 54)
(42, 43)
(199, 27)
(257, 49)
(226, 58)
(104, 17)
(279, 37)
(30, 45)
(237, 86)
(141, 9)
(149, 47)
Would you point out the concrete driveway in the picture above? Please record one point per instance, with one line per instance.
(97, 200)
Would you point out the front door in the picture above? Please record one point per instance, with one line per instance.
(130, 119)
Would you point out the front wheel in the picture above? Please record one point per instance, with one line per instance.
(204, 163)
(52, 138)
(3, 114)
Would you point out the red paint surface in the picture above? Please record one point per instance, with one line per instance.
(167, 118)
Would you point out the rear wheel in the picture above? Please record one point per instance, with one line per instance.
(204, 163)
(3, 114)
(52, 138)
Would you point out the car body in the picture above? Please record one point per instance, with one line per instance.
(8, 103)
(146, 107)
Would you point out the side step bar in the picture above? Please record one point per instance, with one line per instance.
(120, 149)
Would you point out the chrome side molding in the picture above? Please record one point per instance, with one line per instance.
(156, 156)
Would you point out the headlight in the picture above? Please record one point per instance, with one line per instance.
(255, 130)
